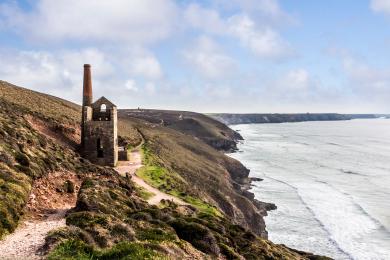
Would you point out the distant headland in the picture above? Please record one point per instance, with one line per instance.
(235, 119)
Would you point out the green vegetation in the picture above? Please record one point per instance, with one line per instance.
(143, 193)
(26, 154)
(202, 206)
(170, 182)
(97, 231)
(76, 249)
(155, 235)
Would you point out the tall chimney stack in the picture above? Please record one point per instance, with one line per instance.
(87, 86)
(87, 99)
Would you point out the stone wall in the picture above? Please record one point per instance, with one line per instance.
(101, 139)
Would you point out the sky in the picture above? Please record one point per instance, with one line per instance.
(243, 56)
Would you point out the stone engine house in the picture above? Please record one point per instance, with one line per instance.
(99, 127)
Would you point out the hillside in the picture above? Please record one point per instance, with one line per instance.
(42, 174)
(210, 131)
(235, 119)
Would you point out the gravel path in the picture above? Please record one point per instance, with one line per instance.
(130, 167)
(29, 237)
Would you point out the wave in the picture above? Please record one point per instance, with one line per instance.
(362, 210)
(346, 222)
(323, 227)
(310, 178)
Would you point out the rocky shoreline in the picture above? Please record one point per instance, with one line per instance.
(244, 183)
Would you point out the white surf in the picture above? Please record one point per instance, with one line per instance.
(330, 181)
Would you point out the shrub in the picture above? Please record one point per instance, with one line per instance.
(72, 249)
(198, 235)
(75, 249)
(22, 159)
(155, 234)
(87, 219)
(133, 251)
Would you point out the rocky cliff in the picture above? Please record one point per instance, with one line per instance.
(235, 119)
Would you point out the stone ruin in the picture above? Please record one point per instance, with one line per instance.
(99, 127)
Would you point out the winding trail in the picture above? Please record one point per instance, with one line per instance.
(26, 241)
(29, 237)
(130, 168)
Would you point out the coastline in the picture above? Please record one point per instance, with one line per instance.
(284, 183)
(247, 183)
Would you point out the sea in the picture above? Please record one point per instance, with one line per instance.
(330, 181)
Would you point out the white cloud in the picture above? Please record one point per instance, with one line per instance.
(208, 20)
(115, 21)
(268, 11)
(208, 59)
(131, 85)
(295, 84)
(372, 82)
(58, 73)
(146, 65)
(264, 42)
(298, 79)
(271, 8)
(381, 6)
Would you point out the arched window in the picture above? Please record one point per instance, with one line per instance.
(103, 108)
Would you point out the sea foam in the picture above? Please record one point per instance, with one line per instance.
(330, 182)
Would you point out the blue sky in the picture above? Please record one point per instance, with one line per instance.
(206, 56)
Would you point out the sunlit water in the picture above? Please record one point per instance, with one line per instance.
(330, 181)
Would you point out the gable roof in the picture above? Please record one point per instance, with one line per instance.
(103, 100)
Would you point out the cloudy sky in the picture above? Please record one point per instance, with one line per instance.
(205, 55)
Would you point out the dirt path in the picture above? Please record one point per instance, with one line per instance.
(29, 237)
(130, 167)
(45, 211)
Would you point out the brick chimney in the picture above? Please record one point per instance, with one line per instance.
(87, 100)
(87, 86)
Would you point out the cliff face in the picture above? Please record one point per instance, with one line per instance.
(235, 119)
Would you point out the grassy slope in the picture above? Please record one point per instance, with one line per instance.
(25, 154)
(194, 124)
(130, 228)
(194, 169)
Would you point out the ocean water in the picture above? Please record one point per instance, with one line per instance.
(330, 182)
